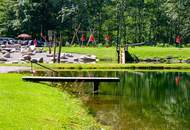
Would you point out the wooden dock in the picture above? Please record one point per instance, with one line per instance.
(96, 80)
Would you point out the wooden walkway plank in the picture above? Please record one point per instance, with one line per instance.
(96, 80)
(71, 79)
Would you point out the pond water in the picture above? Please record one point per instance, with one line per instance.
(141, 100)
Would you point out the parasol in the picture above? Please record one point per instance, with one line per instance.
(25, 36)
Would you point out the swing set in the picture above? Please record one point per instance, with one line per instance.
(84, 35)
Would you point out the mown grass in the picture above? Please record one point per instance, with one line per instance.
(141, 52)
(33, 106)
(100, 52)
(150, 52)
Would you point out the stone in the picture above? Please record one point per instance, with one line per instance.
(41, 60)
(37, 60)
(7, 49)
(187, 61)
(7, 55)
(23, 50)
(3, 51)
(76, 59)
(3, 59)
(26, 57)
(87, 59)
(49, 55)
(13, 50)
(34, 60)
(69, 55)
(64, 57)
(32, 48)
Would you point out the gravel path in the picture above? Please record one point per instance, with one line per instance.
(7, 69)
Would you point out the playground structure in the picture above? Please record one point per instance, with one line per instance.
(83, 38)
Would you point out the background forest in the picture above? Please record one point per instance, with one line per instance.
(124, 21)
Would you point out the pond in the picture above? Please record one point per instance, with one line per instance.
(141, 100)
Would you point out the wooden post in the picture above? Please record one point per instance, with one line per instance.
(96, 87)
(54, 52)
(118, 54)
(49, 46)
(50, 36)
(31, 67)
(60, 46)
(126, 53)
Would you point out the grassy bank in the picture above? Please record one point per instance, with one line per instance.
(139, 66)
(108, 66)
(27, 106)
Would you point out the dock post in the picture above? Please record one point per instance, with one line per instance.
(96, 87)
(118, 54)
(31, 67)
(126, 53)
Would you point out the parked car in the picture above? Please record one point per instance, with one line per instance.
(7, 40)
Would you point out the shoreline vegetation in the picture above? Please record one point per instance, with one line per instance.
(26, 105)
(107, 66)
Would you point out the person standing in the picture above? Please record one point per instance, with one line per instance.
(178, 40)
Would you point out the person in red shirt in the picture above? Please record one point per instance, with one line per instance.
(82, 39)
(91, 39)
(178, 40)
(107, 39)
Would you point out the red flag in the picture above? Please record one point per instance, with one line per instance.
(82, 38)
(91, 39)
(35, 42)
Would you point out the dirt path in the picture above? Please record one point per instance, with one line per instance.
(7, 69)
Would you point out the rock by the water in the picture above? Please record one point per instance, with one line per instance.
(64, 57)
(41, 60)
(26, 57)
(7, 55)
(69, 55)
(3, 59)
(187, 61)
(37, 60)
(49, 55)
(87, 59)
(3, 51)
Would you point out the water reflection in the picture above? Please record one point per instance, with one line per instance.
(142, 100)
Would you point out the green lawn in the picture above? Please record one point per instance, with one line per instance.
(140, 52)
(100, 52)
(146, 52)
(33, 106)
